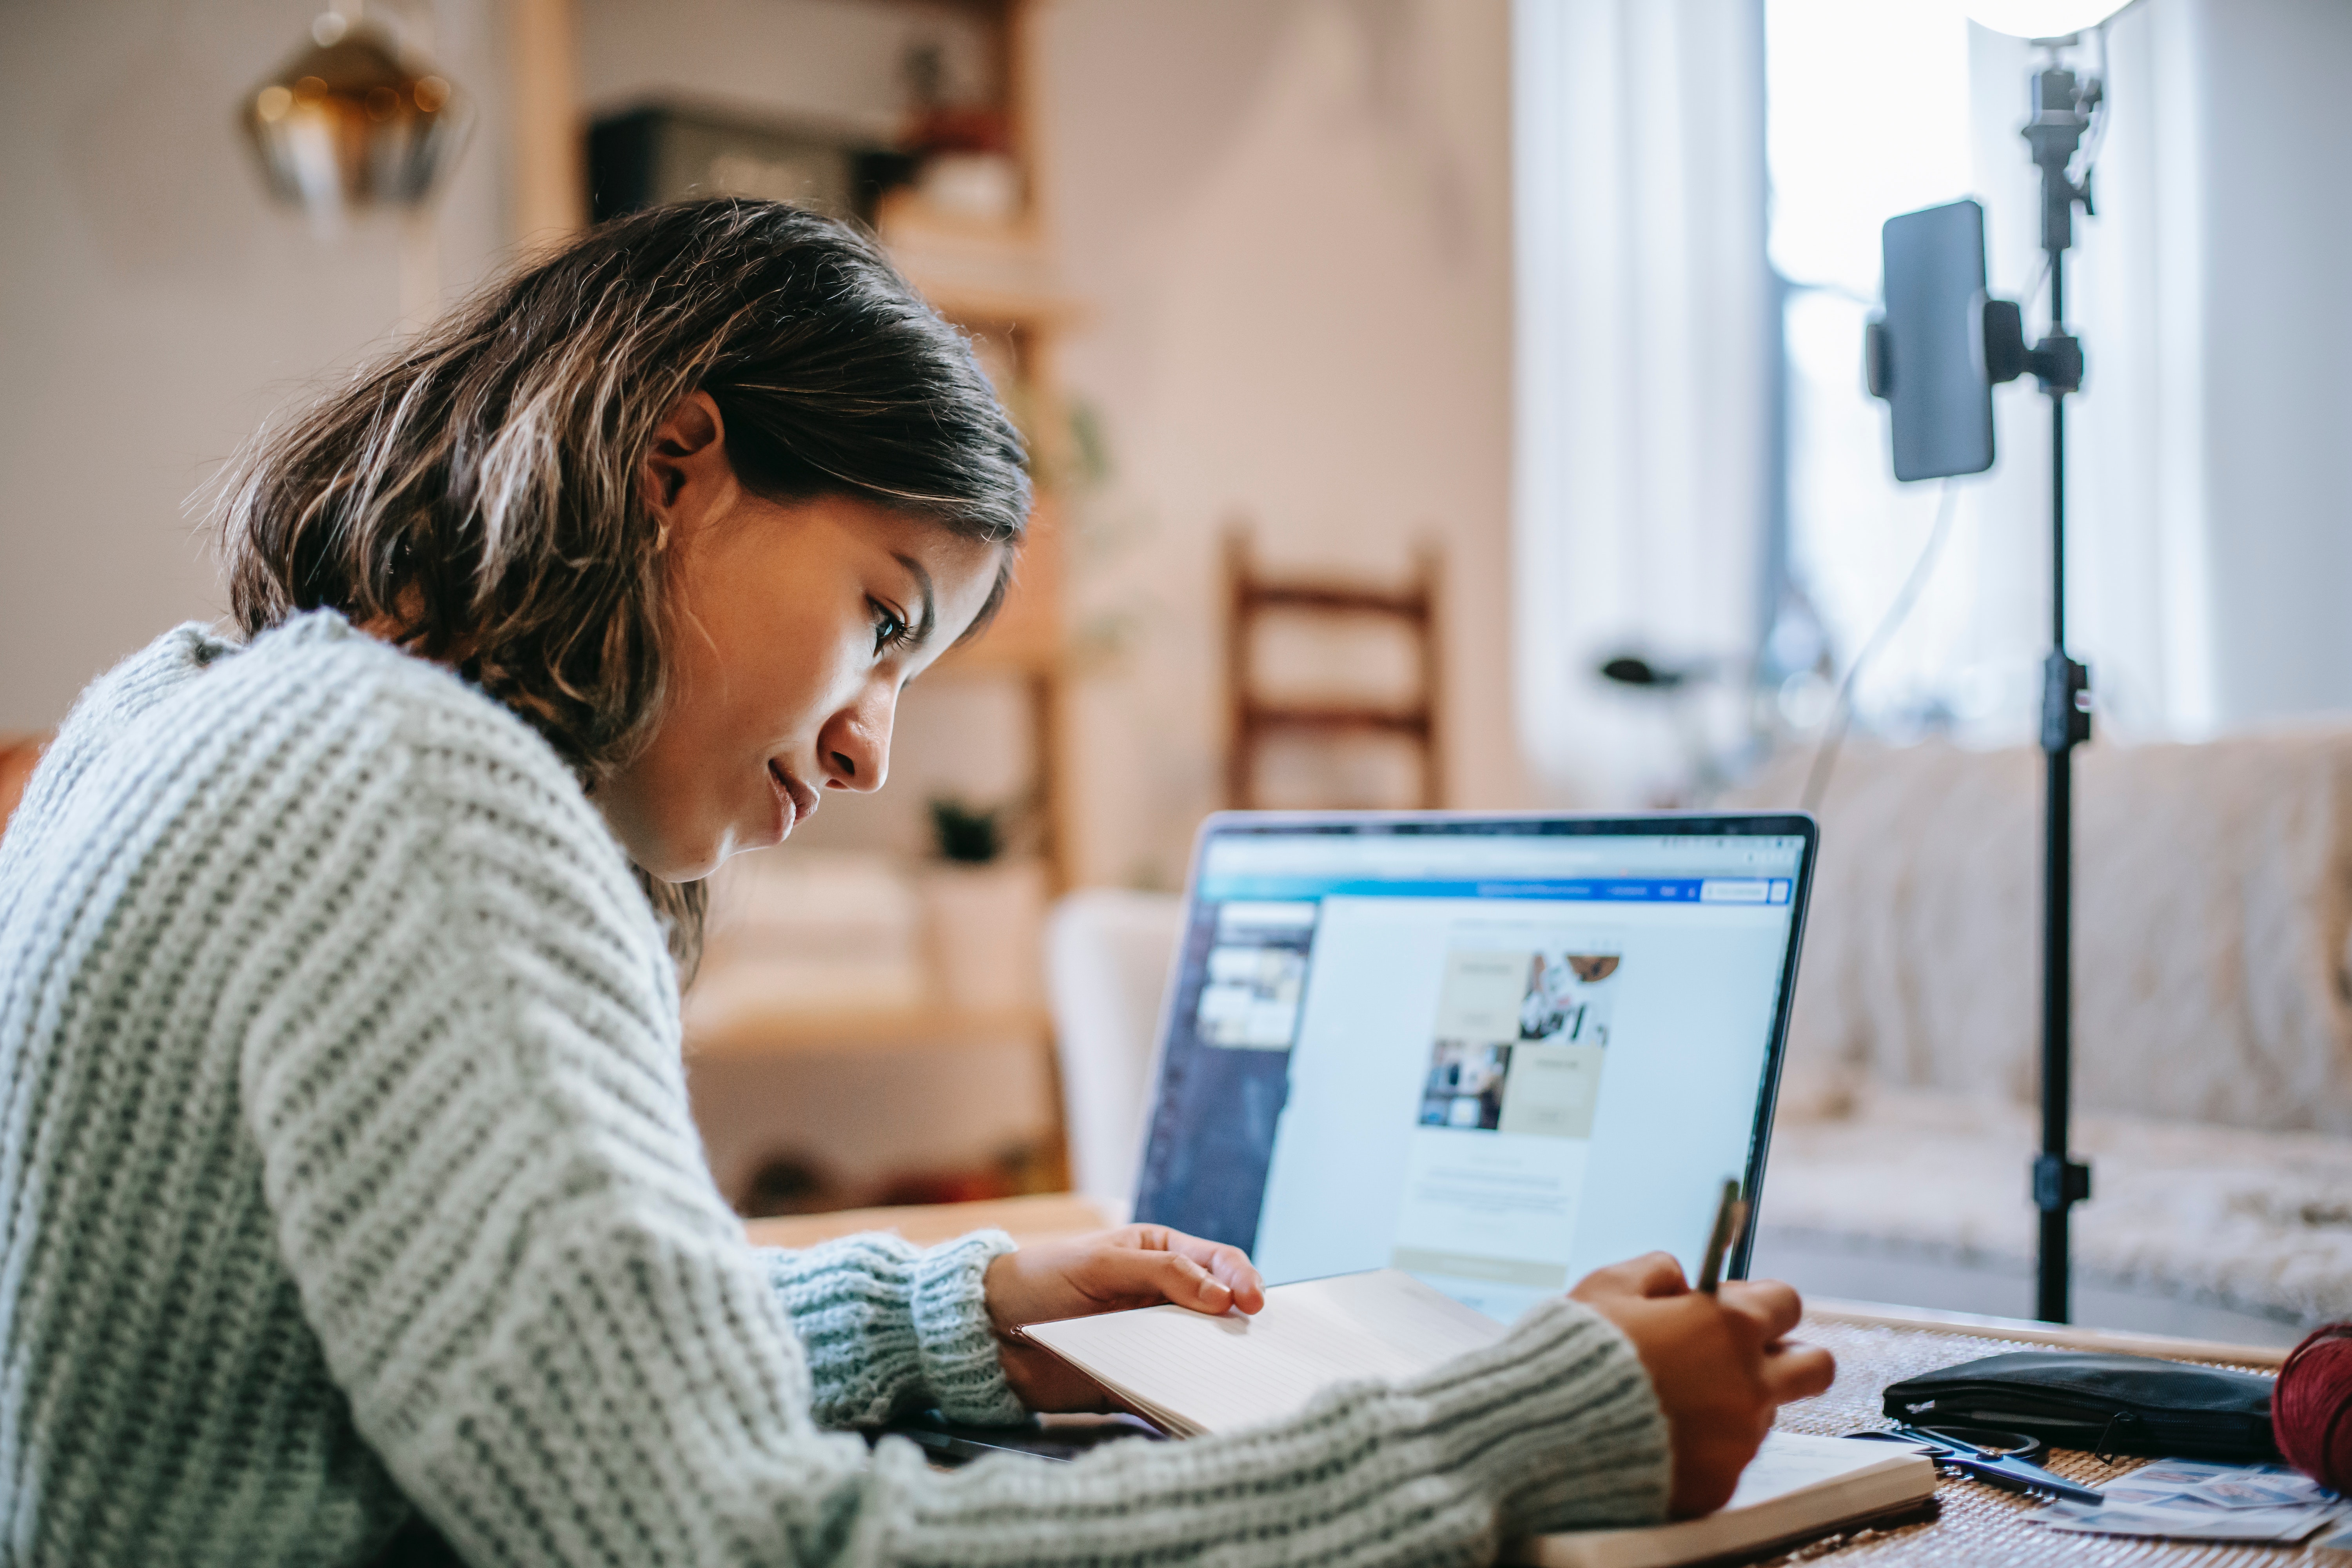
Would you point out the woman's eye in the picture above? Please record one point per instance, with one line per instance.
(890, 627)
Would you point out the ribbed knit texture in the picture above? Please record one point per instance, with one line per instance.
(346, 1171)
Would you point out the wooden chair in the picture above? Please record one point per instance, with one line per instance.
(1256, 716)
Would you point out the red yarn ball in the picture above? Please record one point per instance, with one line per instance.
(2311, 1408)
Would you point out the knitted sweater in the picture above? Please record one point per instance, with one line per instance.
(346, 1173)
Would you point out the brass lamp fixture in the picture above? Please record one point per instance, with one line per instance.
(354, 121)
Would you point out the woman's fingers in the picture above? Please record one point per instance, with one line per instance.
(1775, 1306)
(1791, 1370)
(1118, 1276)
(1653, 1275)
(1797, 1371)
(1230, 1266)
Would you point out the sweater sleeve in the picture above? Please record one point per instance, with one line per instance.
(460, 1066)
(886, 1328)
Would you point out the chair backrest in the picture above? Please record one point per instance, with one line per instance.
(1259, 716)
(1108, 954)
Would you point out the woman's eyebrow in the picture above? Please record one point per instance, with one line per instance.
(930, 616)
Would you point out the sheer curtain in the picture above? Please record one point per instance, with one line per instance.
(2203, 508)
(1950, 97)
(2209, 542)
(1643, 466)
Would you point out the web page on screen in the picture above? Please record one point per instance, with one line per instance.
(1496, 1082)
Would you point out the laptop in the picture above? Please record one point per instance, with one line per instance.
(1494, 1051)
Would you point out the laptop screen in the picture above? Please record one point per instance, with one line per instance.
(1496, 1053)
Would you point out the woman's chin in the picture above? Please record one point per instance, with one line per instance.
(693, 862)
(766, 836)
(681, 857)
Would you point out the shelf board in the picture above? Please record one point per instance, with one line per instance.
(976, 271)
(747, 1031)
(972, 301)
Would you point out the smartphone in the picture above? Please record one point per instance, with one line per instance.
(1928, 351)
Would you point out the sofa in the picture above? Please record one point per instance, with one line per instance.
(2212, 1032)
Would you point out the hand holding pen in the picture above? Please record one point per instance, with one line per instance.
(1715, 1357)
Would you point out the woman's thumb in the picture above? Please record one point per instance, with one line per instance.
(1176, 1278)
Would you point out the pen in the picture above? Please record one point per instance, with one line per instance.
(1730, 1215)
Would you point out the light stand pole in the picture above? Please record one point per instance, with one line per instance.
(2061, 112)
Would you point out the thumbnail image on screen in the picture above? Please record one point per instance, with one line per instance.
(1519, 1041)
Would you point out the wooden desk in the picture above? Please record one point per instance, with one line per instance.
(1875, 1345)
(1047, 1216)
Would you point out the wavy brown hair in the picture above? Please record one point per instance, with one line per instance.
(477, 490)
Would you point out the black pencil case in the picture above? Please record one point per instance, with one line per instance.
(2106, 1404)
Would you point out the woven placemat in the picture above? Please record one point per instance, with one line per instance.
(1978, 1524)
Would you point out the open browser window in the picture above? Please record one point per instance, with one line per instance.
(1493, 1056)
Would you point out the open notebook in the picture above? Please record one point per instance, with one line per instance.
(1190, 1375)
(1187, 1373)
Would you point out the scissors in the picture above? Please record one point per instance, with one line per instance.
(1998, 1458)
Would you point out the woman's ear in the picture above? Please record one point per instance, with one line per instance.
(686, 466)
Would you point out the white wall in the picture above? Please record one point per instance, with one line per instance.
(1293, 223)
(154, 305)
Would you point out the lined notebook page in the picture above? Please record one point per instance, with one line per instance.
(1792, 1461)
(1218, 1374)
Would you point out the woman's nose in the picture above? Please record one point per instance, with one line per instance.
(857, 744)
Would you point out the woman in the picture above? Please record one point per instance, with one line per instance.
(353, 1211)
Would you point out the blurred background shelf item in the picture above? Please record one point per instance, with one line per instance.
(971, 268)
(677, 148)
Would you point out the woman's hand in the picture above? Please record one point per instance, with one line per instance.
(1717, 1364)
(1109, 1272)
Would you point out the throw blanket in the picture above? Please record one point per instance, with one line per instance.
(2213, 906)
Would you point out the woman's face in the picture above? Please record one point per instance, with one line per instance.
(793, 626)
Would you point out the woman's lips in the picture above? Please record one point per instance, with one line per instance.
(798, 801)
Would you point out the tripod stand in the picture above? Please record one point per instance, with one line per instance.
(1924, 362)
(2062, 111)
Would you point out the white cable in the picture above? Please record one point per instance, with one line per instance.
(1817, 778)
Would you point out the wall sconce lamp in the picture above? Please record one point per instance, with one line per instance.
(355, 119)
(358, 118)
